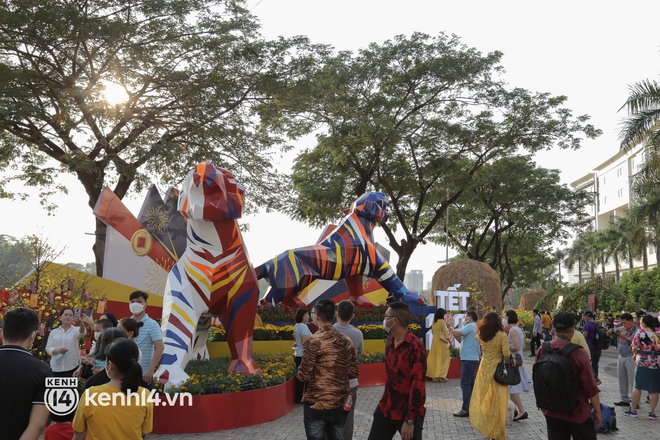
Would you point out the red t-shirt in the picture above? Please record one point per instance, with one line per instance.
(584, 380)
(59, 431)
(405, 389)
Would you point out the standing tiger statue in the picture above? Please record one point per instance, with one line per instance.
(214, 277)
(349, 250)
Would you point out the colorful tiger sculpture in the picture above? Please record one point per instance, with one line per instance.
(349, 250)
(213, 277)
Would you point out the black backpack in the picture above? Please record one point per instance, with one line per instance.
(554, 381)
(602, 341)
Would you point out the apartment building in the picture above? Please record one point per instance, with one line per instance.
(414, 280)
(610, 184)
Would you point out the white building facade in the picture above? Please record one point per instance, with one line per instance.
(610, 183)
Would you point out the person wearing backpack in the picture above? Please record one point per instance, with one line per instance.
(590, 332)
(566, 391)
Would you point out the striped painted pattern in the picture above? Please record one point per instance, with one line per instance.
(213, 278)
(349, 250)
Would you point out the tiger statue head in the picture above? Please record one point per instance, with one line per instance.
(210, 193)
(372, 206)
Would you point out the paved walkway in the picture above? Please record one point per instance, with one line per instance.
(442, 400)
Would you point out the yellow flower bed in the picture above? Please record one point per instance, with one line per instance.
(205, 375)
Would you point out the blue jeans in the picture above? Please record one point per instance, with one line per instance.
(324, 424)
(468, 375)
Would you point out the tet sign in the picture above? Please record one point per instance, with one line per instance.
(451, 299)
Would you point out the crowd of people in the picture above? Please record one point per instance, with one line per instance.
(125, 354)
(121, 361)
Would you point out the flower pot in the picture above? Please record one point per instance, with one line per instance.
(372, 374)
(215, 412)
(454, 369)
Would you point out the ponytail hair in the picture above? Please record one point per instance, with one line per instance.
(124, 356)
(131, 325)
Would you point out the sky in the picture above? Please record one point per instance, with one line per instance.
(590, 51)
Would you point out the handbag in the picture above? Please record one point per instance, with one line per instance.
(507, 372)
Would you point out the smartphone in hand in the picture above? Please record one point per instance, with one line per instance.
(77, 312)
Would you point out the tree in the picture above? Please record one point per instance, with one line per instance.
(643, 126)
(616, 244)
(194, 74)
(14, 264)
(636, 238)
(559, 255)
(415, 118)
(46, 290)
(516, 211)
(643, 121)
(576, 256)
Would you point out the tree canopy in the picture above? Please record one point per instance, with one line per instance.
(416, 118)
(512, 216)
(194, 74)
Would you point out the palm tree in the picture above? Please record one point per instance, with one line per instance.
(643, 121)
(635, 238)
(616, 244)
(576, 255)
(648, 215)
(559, 256)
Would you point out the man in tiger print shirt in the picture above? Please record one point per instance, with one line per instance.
(328, 362)
(402, 406)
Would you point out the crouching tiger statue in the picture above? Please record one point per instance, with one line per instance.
(349, 250)
(213, 277)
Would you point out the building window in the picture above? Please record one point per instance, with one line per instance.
(605, 200)
(604, 180)
(620, 193)
(619, 171)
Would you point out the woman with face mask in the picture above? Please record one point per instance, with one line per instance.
(129, 416)
(108, 336)
(62, 345)
(132, 329)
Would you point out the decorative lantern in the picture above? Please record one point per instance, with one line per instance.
(100, 308)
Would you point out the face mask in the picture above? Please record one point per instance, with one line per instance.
(97, 335)
(106, 372)
(136, 308)
(387, 329)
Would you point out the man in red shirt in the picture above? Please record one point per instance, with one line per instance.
(402, 406)
(578, 423)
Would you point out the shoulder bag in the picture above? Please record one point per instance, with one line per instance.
(507, 372)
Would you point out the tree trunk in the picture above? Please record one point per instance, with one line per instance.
(404, 252)
(99, 245)
(645, 258)
(93, 184)
(616, 268)
(560, 272)
(579, 271)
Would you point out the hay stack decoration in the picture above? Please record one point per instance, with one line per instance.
(469, 273)
(529, 299)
